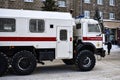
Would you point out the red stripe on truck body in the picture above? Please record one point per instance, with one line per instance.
(27, 38)
(92, 38)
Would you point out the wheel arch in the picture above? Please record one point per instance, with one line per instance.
(86, 46)
(12, 50)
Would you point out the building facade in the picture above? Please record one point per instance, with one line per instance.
(21, 4)
(109, 9)
(33, 4)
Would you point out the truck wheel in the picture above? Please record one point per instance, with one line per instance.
(85, 60)
(23, 62)
(3, 63)
(68, 61)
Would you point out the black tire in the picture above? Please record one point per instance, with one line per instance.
(85, 60)
(3, 63)
(24, 62)
(68, 61)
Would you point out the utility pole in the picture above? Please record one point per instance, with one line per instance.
(81, 7)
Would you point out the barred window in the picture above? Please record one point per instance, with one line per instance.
(7, 25)
(37, 25)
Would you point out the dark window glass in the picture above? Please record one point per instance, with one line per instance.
(78, 26)
(93, 28)
(63, 35)
(7, 25)
(37, 25)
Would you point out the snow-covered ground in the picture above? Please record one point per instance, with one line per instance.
(114, 48)
(106, 69)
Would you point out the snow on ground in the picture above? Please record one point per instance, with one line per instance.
(106, 69)
(114, 48)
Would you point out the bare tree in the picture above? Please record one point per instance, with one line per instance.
(50, 5)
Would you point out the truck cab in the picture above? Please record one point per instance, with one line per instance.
(89, 31)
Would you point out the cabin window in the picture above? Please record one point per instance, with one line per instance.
(78, 26)
(93, 28)
(7, 25)
(37, 25)
(63, 35)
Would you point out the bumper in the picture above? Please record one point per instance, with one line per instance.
(100, 52)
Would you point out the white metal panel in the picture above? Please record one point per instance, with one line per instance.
(95, 35)
(83, 20)
(63, 47)
(22, 18)
(36, 44)
(34, 14)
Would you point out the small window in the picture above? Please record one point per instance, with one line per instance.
(112, 2)
(87, 14)
(101, 14)
(86, 1)
(28, 0)
(93, 28)
(51, 26)
(61, 3)
(111, 15)
(100, 2)
(63, 35)
(37, 25)
(78, 26)
(7, 25)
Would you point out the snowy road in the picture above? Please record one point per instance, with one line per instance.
(107, 69)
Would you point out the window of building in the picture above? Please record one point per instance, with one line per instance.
(12, 0)
(86, 1)
(37, 25)
(87, 14)
(93, 28)
(112, 2)
(61, 3)
(100, 2)
(111, 15)
(101, 14)
(28, 0)
(7, 25)
(63, 35)
(43, 0)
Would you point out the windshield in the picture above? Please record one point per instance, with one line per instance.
(93, 28)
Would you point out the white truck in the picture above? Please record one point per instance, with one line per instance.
(30, 37)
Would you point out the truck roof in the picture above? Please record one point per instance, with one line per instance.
(83, 20)
(13, 13)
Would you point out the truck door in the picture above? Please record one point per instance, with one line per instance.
(94, 35)
(63, 42)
